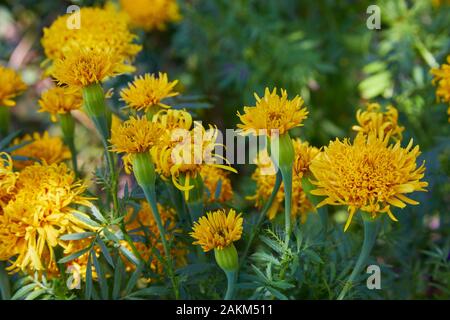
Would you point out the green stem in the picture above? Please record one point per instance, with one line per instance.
(95, 107)
(150, 195)
(5, 118)
(68, 130)
(231, 283)
(370, 233)
(286, 173)
(262, 214)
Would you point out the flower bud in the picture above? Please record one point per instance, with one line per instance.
(227, 258)
(95, 107)
(282, 151)
(143, 169)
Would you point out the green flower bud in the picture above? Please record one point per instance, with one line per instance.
(227, 258)
(95, 107)
(144, 169)
(281, 150)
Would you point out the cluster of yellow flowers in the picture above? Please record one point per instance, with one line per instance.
(39, 194)
(41, 201)
(179, 151)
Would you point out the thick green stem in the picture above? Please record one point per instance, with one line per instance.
(68, 130)
(231, 283)
(95, 107)
(262, 214)
(287, 183)
(144, 172)
(5, 118)
(371, 227)
(227, 259)
(283, 154)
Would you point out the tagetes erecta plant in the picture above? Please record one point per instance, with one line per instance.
(218, 231)
(442, 81)
(273, 116)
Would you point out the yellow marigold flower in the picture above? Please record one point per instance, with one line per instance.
(59, 100)
(273, 112)
(39, 213)
(42, 148)
(264, 176)
(147, 92)
(368, 175)
(151, 14)
(373, 119)
(217, 230)
(103, 28)
(142, 226)
(136, 135)
(442, 80)
(11, 85)
(7, 179)
(212, 177)
(82, 67)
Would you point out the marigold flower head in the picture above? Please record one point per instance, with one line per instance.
(142, 226)
(265, 178)
(148, 91)
(59, 100)
(373, 119)
(151, 14)
(217, 184)
(104, 28)
(39, 147)
(11, 85)
(368, 175)
(217, 230)
(81, 67)
(273, 112)
(136, 135)
(40, 211)
(442, 80)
